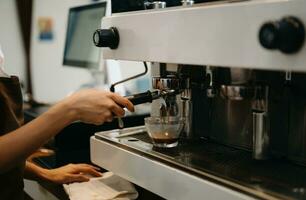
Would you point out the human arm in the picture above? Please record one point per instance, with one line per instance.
(62, 175)
(90, 106)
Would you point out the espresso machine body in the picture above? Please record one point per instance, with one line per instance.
(241, 74)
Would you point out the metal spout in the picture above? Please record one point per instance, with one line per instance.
(260, 136)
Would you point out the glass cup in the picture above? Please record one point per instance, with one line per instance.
(164, 131)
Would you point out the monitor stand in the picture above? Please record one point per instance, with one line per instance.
(98, 80)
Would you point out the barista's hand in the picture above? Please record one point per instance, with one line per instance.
(96, 106)
(71, 173)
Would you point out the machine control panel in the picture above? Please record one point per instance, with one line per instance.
(286, 35)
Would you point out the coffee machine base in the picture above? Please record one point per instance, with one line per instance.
(195, 169)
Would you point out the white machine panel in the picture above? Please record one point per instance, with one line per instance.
(166, 181)
(206, 34)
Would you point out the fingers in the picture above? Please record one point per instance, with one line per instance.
(73, 173)
(116, 109)
(92, 166)
(123, 101)
(88, 170)
(91, 172)
(77, 178)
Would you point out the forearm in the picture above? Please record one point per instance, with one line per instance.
(65, 174)
(89, 106)
(34, 172)
(17, 145)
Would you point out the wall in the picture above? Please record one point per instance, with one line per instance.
(51, 80)
(10, 39)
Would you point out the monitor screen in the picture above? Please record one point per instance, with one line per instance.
(79, 48)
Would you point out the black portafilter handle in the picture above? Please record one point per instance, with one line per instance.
(148, 96)
(145, 97)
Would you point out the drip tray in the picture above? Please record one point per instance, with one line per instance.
(224, 165)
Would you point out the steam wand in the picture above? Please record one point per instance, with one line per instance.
(112, 87)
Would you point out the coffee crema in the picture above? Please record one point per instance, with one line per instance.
(164, 138)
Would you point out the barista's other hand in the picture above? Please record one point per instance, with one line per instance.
(71, 173)
(96, 106)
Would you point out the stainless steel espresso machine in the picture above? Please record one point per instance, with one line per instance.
(235, 71)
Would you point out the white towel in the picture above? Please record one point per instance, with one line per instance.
(107, 187)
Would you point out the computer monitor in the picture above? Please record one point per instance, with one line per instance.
(79, 48)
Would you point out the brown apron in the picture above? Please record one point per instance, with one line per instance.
(11, 117)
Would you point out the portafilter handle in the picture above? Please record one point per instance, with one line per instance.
(145, 97)
(148, 96)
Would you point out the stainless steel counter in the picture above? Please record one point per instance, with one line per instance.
(196, 169)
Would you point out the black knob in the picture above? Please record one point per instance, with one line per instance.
(106, 38)
(286, 35)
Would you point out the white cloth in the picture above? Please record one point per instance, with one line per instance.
(2, 73)
(107, 187)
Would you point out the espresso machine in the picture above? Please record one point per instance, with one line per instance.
(235, 71)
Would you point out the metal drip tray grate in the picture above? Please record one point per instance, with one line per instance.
(277, 178)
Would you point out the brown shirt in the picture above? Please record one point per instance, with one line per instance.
(11, 117)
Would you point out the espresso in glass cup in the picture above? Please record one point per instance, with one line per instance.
(164, 131)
